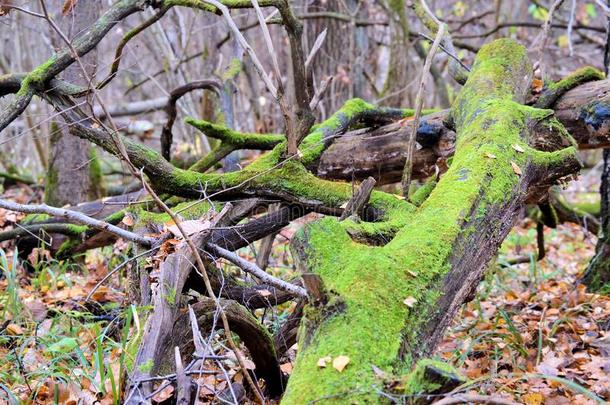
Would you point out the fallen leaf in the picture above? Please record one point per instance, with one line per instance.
(516, 168)
(322, 361)
(518, 148)
(13, 329)
(286, 368)
(490, 155)
(68, 6)
(410, 301)
(264, 292)
(190, 227)
(533, 398)
(127, 220)
(340, 362)
(164, 394)
(38, 309)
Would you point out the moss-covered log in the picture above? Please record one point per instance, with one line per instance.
(388, 306)
(584, 109)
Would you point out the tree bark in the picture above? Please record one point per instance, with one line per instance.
(73, 174)
(379, 152)
(388, 306)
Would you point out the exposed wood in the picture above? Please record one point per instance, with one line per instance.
(359, 200)
(379, 152)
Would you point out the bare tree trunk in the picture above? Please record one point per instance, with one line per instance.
(73, 173)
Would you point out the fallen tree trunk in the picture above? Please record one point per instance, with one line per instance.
(380, 152)
(388, 306)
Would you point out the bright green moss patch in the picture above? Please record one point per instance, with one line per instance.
(429, 376)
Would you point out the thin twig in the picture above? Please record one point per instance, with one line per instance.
(472, 398)
(80, 218)
(545, 35)
(242, 41)
(113, 271)
(419, 101)
(257, 271)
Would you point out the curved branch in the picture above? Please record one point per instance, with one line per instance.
(126, 38)
(255, 337)
(170, 109)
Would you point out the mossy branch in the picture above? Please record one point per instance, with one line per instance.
(553, 91)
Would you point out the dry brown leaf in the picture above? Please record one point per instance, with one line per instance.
(68, 6)
(13, 329)
(340, 362)
(164, 394)
(490, 155)
(537, 85)
(518, 148)
(323, 361)
(264, 292)
(190, 227)
(409, 301)
(516, 168)
(286, 368)
(127, 220)
(5, 8)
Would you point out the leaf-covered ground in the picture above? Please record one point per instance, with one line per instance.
(532, 333)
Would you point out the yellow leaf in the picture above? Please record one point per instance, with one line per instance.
(13, 329)
(563, 41)
(516, 168)
(533, 398)
(322, 361)
(68, 6)
(410, 301)
(340, 362)
(490, 155)
(537, 85)
(518, 148)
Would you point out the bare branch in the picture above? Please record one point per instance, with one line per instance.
(419, 101)
(256, 271)
(80, 218)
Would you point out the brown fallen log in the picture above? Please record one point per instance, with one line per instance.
(380, 152)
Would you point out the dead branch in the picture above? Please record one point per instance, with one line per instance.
(256, 271)
(79, 218)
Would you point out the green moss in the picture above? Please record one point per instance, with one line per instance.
(419, 382)
(95, 175)
(420, 195)
(488, 123)
(147, 366)
(237, 139)
(553, 91)
(34, 218)
(233, 69)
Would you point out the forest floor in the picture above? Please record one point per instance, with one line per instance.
(531, 334)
